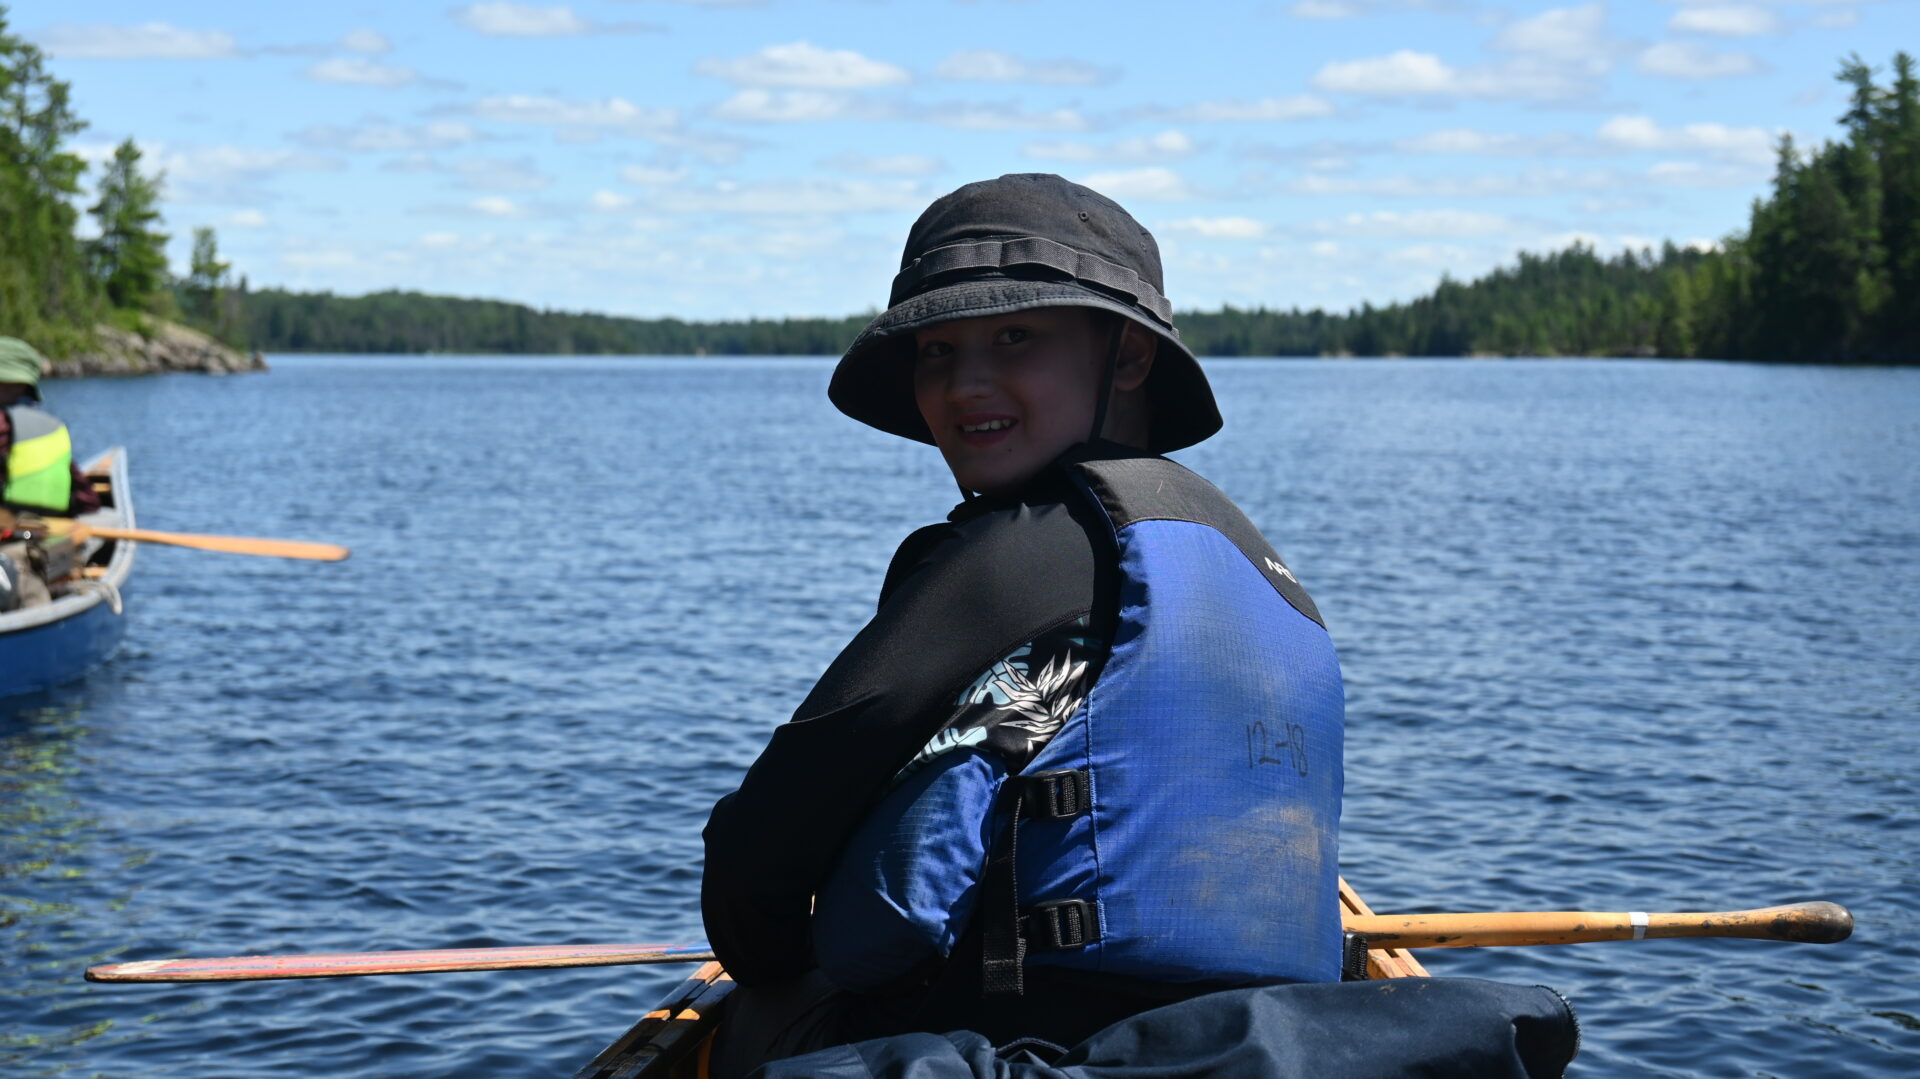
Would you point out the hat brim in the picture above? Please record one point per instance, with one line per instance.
(873, 382)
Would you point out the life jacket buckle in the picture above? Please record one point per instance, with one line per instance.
(1056, 795)
(1060, 925)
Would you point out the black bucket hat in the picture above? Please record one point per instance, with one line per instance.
(1022, 241)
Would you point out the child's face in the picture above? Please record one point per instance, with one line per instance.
(1006, 394)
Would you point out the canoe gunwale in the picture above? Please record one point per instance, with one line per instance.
(675, 1040)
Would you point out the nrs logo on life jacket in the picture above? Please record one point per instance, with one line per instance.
(1182, 826)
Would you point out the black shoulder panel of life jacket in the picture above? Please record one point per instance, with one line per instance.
(1134, 486)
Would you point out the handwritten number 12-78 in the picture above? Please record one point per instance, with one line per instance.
(1282, 743)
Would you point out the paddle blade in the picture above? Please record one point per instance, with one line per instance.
(248, 968)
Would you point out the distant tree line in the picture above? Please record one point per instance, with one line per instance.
(55, 288)
(284, 321)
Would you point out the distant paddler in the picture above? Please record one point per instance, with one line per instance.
(39, 477)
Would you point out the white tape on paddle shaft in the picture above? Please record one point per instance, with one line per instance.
(1639, 920)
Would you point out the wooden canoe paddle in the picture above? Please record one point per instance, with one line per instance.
(249, 968)
(79, 531)
(1813, 923)
(1807, 923)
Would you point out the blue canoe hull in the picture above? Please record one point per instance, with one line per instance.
(58, 652)
(53, 644)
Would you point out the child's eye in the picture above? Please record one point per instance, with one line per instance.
(1012, 335)
(934, 350)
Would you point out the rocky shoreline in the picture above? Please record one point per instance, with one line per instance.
(170, 347)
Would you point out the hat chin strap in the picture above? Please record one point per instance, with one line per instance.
(1106, 379)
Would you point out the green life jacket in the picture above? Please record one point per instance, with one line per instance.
(40, 464)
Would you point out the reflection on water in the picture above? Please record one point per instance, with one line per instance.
(48, 846)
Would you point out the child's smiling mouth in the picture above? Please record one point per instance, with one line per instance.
(982, 430)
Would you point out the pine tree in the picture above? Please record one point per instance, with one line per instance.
(45, 291)
(1900, 176)
(129, 257)
(206, 281)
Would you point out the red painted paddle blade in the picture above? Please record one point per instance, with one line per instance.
(247, 968)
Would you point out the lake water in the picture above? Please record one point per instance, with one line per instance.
(1617, 635)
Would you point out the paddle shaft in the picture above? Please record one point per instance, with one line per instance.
(1819, 923)
(268, 548)
(250, 968)
(1810, 923)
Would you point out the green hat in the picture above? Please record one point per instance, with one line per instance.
(21, 363)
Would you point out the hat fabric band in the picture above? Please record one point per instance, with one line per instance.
(1032, 251)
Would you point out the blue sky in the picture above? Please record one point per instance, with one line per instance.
(725, 158)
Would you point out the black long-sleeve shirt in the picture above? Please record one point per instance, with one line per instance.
(960, 599)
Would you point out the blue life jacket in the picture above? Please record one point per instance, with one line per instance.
(1181, 827)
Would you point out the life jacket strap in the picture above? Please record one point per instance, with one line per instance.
(1060, 925)
(1353, 957)
(1055, 795)
(1008, 933)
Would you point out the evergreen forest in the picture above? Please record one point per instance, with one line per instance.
(1826, 271)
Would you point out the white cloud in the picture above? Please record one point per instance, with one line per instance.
(984, 116)
(1155, 184)
(805, 65)
(500, 174)
(1570, 33)
(1407, 73)
(757, 106)
(495, 206)
(1402, 73)
(503, 19)
(1437, 256)
(1541, 182)
(1731, 20)
(1452, 223)
(371, 42)
(610, 200)
(380, 136)
(1694, 174)
(1169, 145)
(359, 71)
(652, 175)
(1264, 110)
(811, 196)
(1463, 140)
(1838, 18)
(439, 239)
(1749, 145)
(1323, 9)
(1219, 228)
(887, 165)
(148, 41)
(227, 174)
(987, 65)
(246, 219)
(1682, 60)
(613, 113)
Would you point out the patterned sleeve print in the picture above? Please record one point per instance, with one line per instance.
(1017, 705)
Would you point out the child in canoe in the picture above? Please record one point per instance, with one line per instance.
(1086, 758)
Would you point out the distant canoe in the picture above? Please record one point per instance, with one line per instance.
(675, 1040)
(46, 646)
